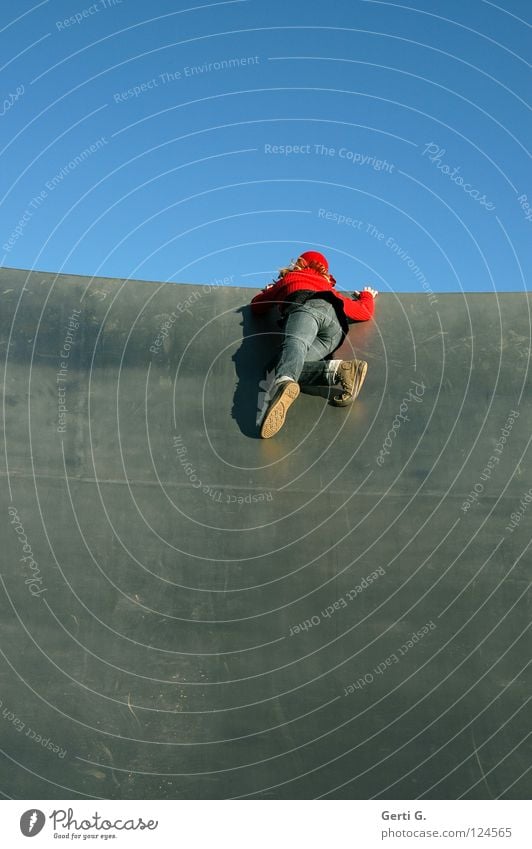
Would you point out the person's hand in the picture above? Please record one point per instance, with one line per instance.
(370, 290)
(269, 286)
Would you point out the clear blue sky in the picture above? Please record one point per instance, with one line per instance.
(196, 142)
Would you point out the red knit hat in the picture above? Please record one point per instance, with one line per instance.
(314, 256)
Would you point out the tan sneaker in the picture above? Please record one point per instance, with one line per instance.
(350, 376)
(283, 397)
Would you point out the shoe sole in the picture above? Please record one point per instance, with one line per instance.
(276, 413)
(360, 376)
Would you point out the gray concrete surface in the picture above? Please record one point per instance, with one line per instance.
(204, 614)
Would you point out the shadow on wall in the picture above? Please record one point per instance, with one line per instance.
(261, 338)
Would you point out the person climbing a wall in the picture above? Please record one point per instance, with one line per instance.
(314, 323)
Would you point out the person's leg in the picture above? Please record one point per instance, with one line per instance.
(348, 375)
(300, 327)
(311, 332)
(316, 370)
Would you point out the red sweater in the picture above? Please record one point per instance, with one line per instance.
(308, 278)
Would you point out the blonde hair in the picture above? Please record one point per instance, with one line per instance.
(300, 263)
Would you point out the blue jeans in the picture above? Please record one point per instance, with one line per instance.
(311, 331)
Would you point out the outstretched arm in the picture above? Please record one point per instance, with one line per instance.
(363, 307)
